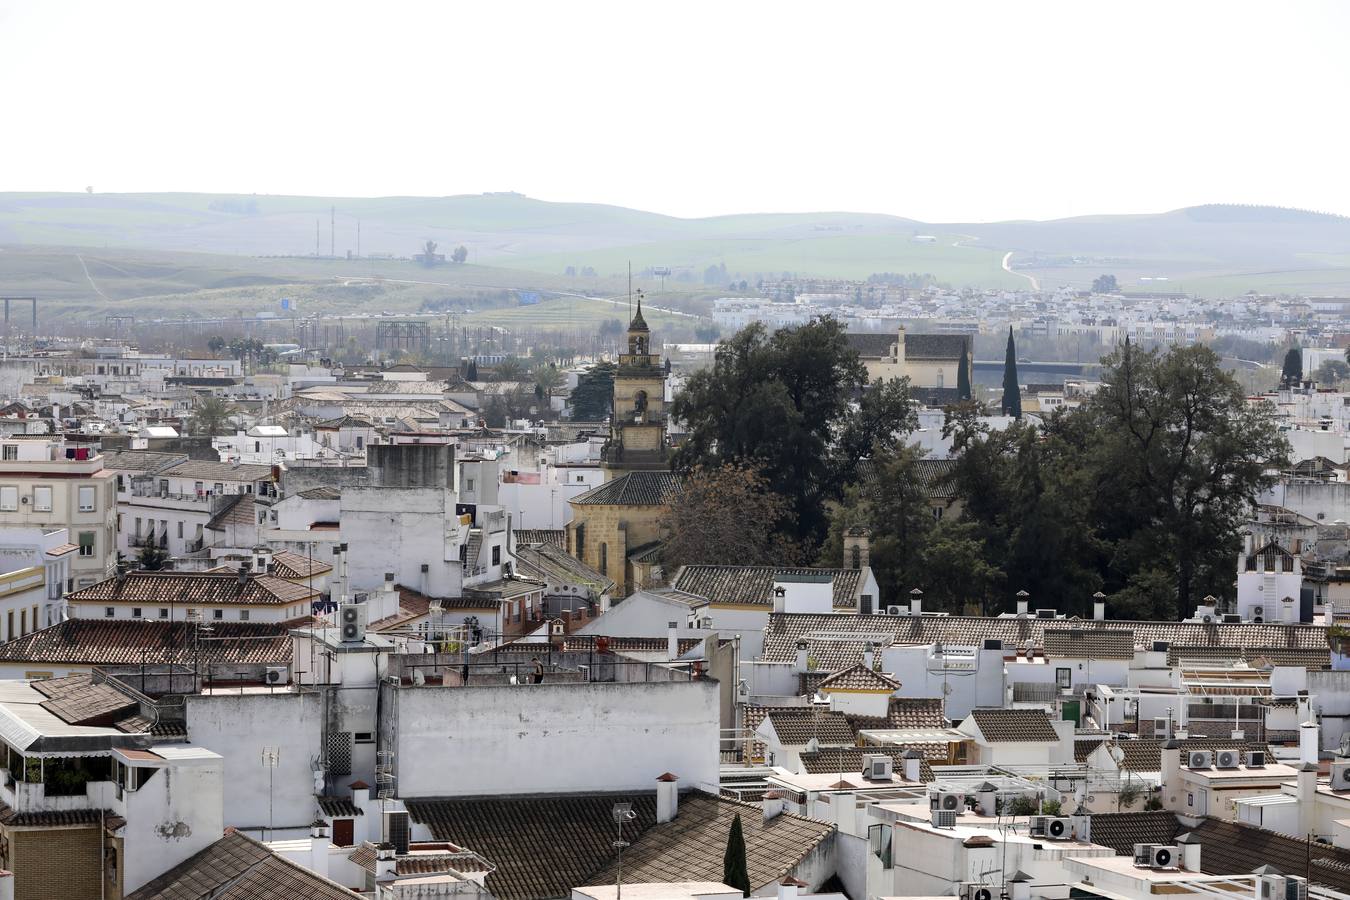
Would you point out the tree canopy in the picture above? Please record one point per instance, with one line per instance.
(725, 516)
(592, 399)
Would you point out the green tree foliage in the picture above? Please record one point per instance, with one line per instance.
(735, 871)
(1105, 284)
(1012, 391)
(459, 254)
(215, 343)
(775, 401)
(1292, 371)
(429, 254)
(963, 375)
(707, 334)
(1332, 372)
(470, 369)
(725, 516)
(592, 399)
(547, 380)
(151, 558)
(510, 369)
(882, 416)
(212, 416)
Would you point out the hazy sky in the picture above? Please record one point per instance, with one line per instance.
(944, 111)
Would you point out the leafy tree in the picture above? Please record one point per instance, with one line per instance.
(504, 407)
(592, 399)
(429, 254)
(1129, 794)
(215, 343)
(1291, 374)
(958, 570)
(963, 375)
(547, 379)
(151, 558)
(876, 423)
(1012, 391)
(510, 369)
(1331, 372)
(707, 334)
(459, 254)
(470, 370)
(212, 416)
(735, 871)
(1105, 284)
(724, 516)
(774, 401)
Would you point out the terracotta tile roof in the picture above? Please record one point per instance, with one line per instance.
(1309, 658)
(338, 807)
(194, 588)
(1144, 755)
(77, 700)
(844, 760)
(933, 474)
(905, 712)
(1002, 726)
(208, 470)
(130, 642)
(691, 847)
(293, 565)
(937, 346)
(633, 489)
(872, 344)
(1097, 643)
(141, 460)
(237, 867)
(1121, 831)
(412, 605)
(51, 818)
(556, 566)
(543, 846)
(238, 510)
(785, 629)
(321, 493)
(859, 678)
(556, 537)
(798, 725)
(1228, 848)
(754, 584)
(1083, 749)
(422, 862)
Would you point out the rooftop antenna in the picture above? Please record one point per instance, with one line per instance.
(622, 812)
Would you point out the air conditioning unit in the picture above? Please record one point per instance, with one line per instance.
(1340, 776)
(1037, 824)
(977, 892)
(1164, 857)
(1258, 612)
(275, 675)
(877, 767)
(944, 818)
(1059, 829)
(1256, 759)
(949, 802)
(1226, 759)
(398, 830)
(1295, 887)
(895, 610)
(1161, 646)
(352, 621)
(1270, 887)
(1199, 759)
(1143, 855)
(1045, 613)
(1160, 727)
(1231, 618)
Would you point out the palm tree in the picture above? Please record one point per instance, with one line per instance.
(510, 369)
(212, 415)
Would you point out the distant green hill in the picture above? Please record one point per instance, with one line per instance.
(1208, 249)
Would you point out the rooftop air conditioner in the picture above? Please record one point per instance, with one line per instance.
(895, 610)
(1270, 887)
(1199, 759)
(352, 620)
(1258, 613)
(1295, 888)
(1161, 646)
(1037, 828)
(948, 801)
(977, 892)
(944, 818)
(1256, 759)
(1059, 829)
(1340, 776)
(1160, 727)
(877, 767)
(1226, 759)
(1231, 618)
(1143, 855)
(1164, 857)
(275, 675)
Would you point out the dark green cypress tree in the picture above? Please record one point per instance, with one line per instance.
(1012, 393)
(963, 376)
(1292, 373)
(735, 871)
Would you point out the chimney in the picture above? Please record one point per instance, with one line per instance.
(385, 861)
(1307, 798)
(911, 759)
(1020, 886)
(672, 640)
(667, 797)
(1022, 599)
(788, 887)
(318, 847)
(916, 602)
(1309, 742)
(801, 656)
(370, 812)
(243, 572)
(1170, 776)
(773, 805)
(1190, 852)
(1099, 606)
(987, 799)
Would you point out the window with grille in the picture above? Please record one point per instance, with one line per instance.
(339, 747)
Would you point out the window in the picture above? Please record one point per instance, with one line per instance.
(497, 555)
(1251, 564)
(11, 452)
(1288, 564)
(109, 612)
(468, 484)
(23, 621)
(360, 442)
(937, 514)
(180, 529)
(581, 479)
(42, 499)
(1063, 679)
(87, 543)
(243, 615)
(9, 498)
(136, 612)
(365, 737)
(217, 614)
(257, 446)
(9, 626)
(87, 498)
(163, 612)
(604, 559)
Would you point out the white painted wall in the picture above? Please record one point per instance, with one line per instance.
(556, 737)
(176, 813)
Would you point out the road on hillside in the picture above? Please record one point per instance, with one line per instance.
(617, 301)
(1007, 267)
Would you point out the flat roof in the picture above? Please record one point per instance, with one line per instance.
(26, 725)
